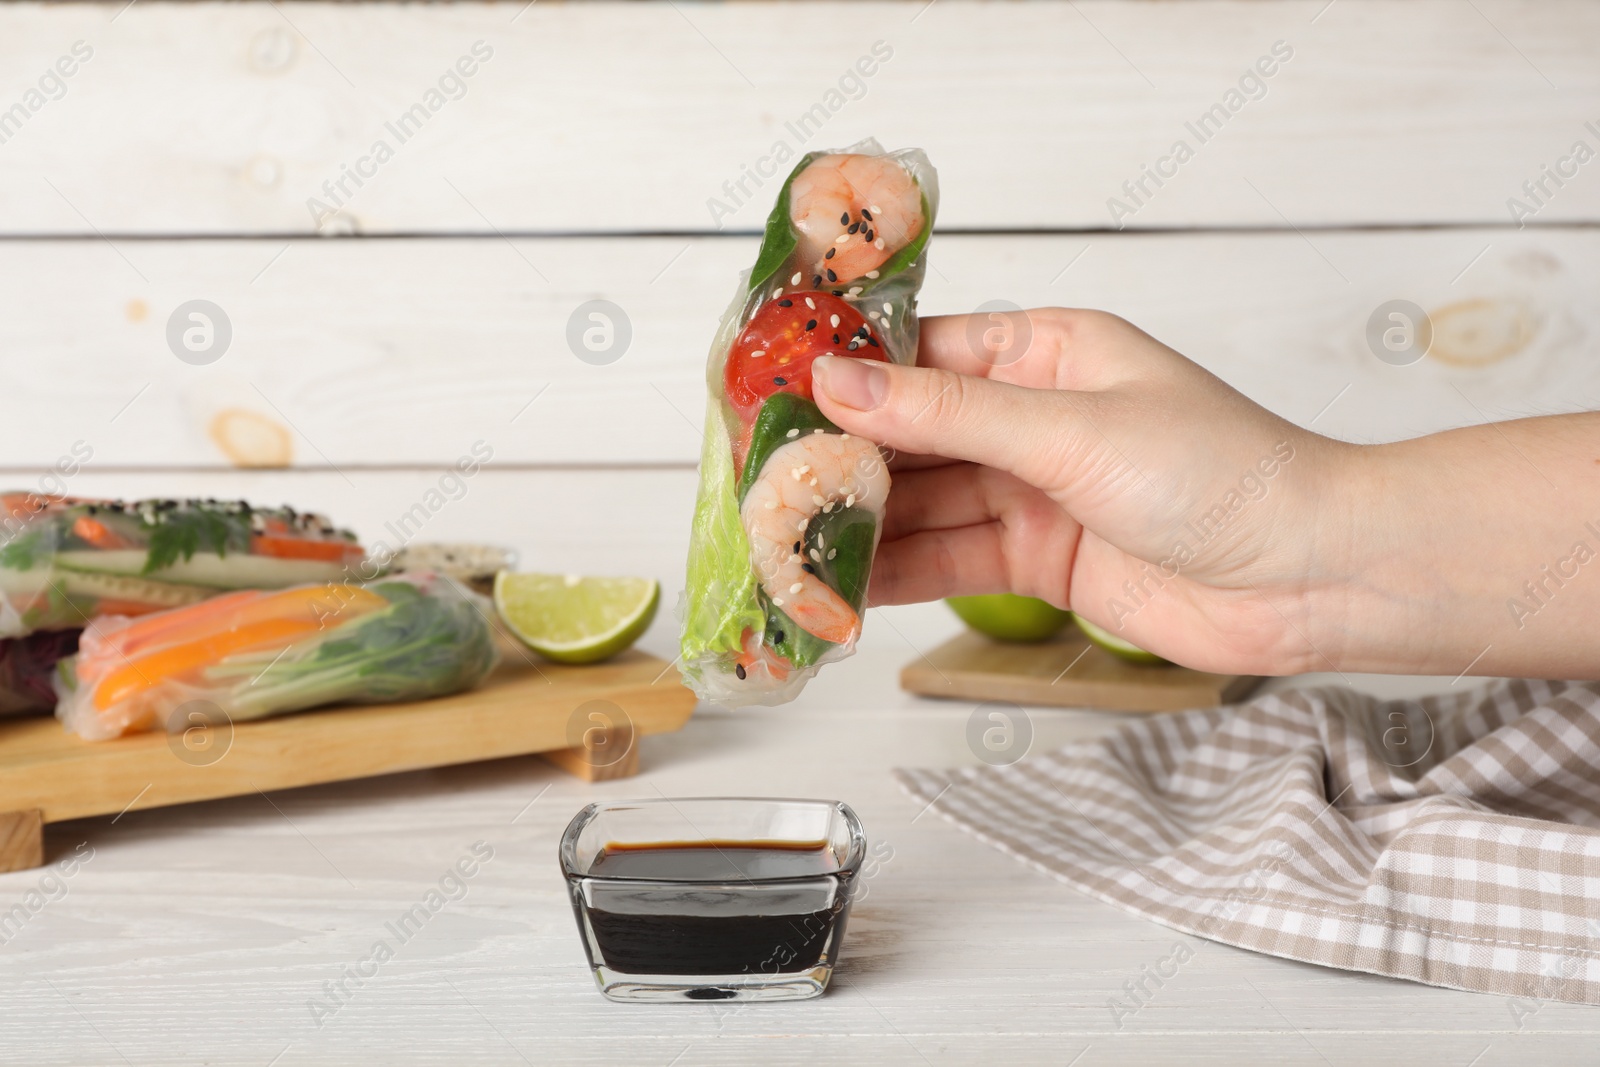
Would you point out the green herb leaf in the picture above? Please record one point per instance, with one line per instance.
(22, 551)
(780, 413)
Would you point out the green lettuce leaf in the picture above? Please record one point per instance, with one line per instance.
(721, 601)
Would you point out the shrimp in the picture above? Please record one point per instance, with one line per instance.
(814, 473)
(852, 214)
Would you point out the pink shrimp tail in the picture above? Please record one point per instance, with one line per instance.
(823, 613)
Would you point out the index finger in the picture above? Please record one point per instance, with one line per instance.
(1043, 348)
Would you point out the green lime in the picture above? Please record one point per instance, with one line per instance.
(1008, 617)
(576, 620)
(1115, 645)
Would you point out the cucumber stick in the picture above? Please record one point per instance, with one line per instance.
(103, 586)
(234, 571)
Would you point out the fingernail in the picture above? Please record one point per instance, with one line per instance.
(855, 383)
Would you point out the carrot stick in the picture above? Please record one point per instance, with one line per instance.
(99, 534)
(321, 605)
(147, 672)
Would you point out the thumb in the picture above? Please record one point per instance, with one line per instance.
(938, 412)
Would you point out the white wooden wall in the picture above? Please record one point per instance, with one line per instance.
(579, 162)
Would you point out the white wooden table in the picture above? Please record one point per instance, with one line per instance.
(205, 934)
(586, 158)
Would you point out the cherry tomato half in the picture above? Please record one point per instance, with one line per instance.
(774, 352)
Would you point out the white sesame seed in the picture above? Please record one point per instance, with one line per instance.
(876, 210)
(758, 353)
(855, 290)
(878, 244)
(844, 437)
(815, 555)
(827, 507)
(832, 552)
(818, 501)
(833, 320)
(772, 505)
(819, 540)
(888, 308)
(874, 274)
(850, 501)
(802, 526)
(796, 279)
(777, 292)
(817, 431)
(777, 601)
(796, 587)
(793, 433)
(841, 239)
(811, 304)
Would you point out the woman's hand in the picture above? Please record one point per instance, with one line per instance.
(1074, 458)
(1069, 456)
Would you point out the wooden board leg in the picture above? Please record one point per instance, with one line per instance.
(21, 840)
(607, 753)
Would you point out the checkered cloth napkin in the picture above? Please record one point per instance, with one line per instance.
(1453, 840)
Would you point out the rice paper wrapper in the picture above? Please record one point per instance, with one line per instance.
(739, 646)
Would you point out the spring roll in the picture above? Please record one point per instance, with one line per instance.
(64, 561)
(253, 653)
(790, 508)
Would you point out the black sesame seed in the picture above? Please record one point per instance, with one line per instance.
(739, 670)
(866, 214)
(829, 253)
(855, 227)
(786, 303)
(845, 218)
(811, 324)
(777, 638)
(780, 381)
(796, 546)
(835, 338)
(816, 281)
(838, 292)
(832, 277)
(873, 341)
(808, 568)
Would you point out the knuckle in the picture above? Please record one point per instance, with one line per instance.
(945, 399)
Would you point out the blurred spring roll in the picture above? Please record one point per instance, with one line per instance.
(249, 654)
(64, 561)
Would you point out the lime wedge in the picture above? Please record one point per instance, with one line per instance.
(576, 620)
(1008, 617)
(1115, 645)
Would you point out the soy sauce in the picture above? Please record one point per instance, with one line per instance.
(696, 930)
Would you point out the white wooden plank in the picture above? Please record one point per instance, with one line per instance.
(956, 955)
(408, 351)
(228, 117)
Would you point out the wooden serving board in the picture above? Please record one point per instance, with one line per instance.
(47, 774)
(1066, 671)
